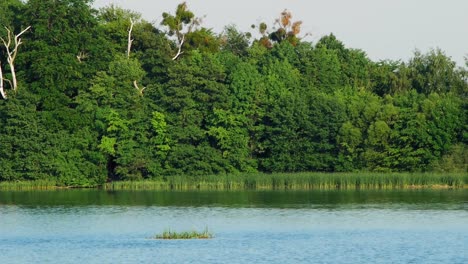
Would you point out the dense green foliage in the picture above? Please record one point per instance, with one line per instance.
(187, 101)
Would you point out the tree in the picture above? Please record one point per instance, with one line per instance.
(234, 41)
(388, 78)
(354, 64)
(65, 49)
(284, 29)
(147, 44)
(325, 70)
(11, 56)
(195, 91)
(349, 141)
(182, 23)
(9, 10)
(434, 72)
(287, 30)
(118, 25)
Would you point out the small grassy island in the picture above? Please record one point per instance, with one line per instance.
(169, 234)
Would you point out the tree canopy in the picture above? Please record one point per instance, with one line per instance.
(102, 95)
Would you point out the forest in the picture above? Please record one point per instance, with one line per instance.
(91, 96)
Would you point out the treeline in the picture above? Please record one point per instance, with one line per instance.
(103, 95)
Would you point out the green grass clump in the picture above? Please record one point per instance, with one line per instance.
(169, 234)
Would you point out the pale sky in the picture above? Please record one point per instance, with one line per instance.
(384, 29)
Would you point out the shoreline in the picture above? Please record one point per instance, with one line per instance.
(264, 182)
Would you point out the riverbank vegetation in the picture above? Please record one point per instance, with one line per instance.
(275, 181)
(93, 97)
(299, 181)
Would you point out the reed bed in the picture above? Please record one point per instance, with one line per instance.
(169, 234)
(298, 181)
(274, 181)
(29, 185)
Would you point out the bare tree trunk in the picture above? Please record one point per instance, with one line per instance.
(130, 40)
(129, 48)
(13, 77)
(11, 54)
(181, 36)
(2, 91)
(179, 51)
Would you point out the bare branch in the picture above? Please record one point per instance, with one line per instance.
(7, 43)
(140, 90)
(22, 32)
(9, 82)
(136, 85)
(81, 56)
(18, 42)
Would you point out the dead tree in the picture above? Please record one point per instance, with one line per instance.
(11, 53)
(130, 40)
(129, 48)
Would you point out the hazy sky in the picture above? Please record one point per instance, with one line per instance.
(384, 29)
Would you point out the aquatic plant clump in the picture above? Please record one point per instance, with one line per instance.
(169, 234)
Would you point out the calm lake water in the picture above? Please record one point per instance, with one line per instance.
(90, 226)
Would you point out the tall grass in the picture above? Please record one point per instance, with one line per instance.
(275, 181)
(298, 181)
(29, 185)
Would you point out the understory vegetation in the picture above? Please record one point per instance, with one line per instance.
(93, 97)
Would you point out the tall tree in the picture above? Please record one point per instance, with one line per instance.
(435, 72)
(182, 23)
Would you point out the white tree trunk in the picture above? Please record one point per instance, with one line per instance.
(2, 91)
(179, 51)
(129, 48)
(13, 77)
(130, 40)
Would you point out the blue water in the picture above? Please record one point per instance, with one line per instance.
(295, 232)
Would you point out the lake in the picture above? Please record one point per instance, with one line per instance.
(93, 226)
